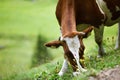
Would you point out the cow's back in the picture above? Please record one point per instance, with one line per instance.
(88, 12)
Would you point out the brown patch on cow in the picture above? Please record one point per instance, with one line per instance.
(88, 12)
(111, 4)
(72, 34)
(66, 16)
(83, 34)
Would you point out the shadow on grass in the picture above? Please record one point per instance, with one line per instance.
(41, 54)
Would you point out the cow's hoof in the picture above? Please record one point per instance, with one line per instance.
(84, 70)
(76, 73)
(116, 48)
(101, 54)
(60, 73)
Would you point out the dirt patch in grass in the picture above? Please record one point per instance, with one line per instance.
(108, 74)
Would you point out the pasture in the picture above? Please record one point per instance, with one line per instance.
(22, 21)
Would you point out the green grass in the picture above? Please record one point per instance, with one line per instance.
(21, 22)
(32, 16)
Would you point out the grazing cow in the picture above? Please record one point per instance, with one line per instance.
(76, 18)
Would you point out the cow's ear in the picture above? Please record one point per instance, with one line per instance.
(53, 44)
(87, 31)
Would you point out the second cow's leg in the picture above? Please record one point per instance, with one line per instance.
(117, 46)
(98, 32)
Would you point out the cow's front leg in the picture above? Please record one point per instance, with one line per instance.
(98, 32)
(75, 63)
(80, 68)
(117, 46)
(64, 68)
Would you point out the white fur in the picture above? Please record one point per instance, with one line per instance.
(64, 68)
(74, 45)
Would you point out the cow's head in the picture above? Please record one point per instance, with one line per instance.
(72, 44)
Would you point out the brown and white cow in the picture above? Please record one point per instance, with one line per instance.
(75, 18)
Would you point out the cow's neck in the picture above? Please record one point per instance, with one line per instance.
(68, 23)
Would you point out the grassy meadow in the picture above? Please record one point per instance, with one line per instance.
(22, 21)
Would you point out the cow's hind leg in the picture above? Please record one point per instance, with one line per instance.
(98, 32)
(117, 46)
(64, 68)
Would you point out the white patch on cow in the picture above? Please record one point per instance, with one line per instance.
(64, 68)
(101, 10)
(74, 45)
